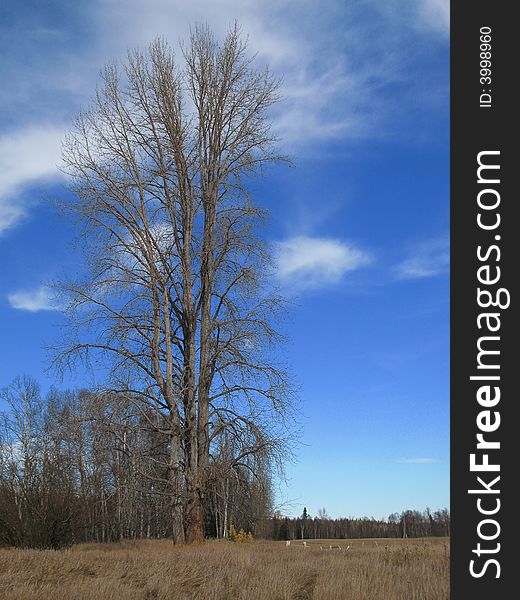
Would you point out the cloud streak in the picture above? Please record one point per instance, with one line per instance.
(305, 262)
(417, 461)
(36, 300)
(27, 155)
(427, 260)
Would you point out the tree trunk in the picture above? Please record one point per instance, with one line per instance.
(176, 489)
(195, 518)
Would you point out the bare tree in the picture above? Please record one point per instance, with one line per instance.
(176, 303)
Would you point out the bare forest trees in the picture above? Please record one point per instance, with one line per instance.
(84, 467)
(35, 498)
(176, 303)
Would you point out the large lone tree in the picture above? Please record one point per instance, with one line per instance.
(176, 299)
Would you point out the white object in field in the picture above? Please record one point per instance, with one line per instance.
(305, 544)
(288, 542)
(348, 546)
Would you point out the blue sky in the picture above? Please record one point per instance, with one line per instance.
(361, 222)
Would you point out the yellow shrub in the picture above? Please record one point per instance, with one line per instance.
(241, 536)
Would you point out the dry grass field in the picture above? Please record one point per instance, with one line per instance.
(146, 570)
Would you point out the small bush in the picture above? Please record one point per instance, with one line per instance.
(241, 536)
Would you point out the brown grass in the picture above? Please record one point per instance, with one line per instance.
(155, 570)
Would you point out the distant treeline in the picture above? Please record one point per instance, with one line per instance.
(80, 466)
(410, 523)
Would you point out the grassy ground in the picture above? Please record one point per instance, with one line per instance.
(146, 570)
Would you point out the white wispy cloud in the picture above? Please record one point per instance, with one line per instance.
(305, 262)
(338, 62)
(314, 109)
(435, 14)
(34, 300)
(425, 16)
(27, 155)
(417, 461)
(318, 76)
(427, 260)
